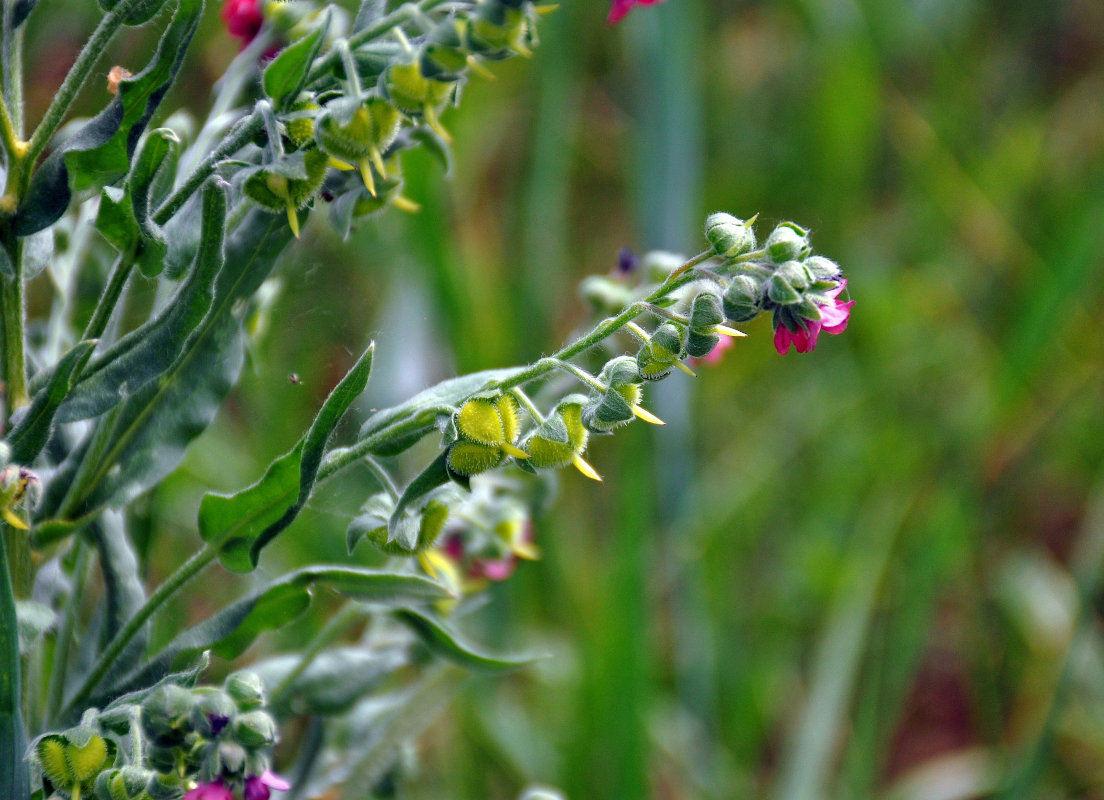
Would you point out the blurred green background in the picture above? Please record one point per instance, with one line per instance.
(873, 571)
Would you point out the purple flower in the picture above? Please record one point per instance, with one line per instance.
(210, 791)
(619, 8)
(242, 18)
(833, 319)
(256, 787)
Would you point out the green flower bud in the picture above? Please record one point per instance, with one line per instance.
(786, 242)
(729, 235)
(668, 342)
(166, 785)
(232, 755)
(561, 437)
(620, 371)
(166, 714)
(444, 56)
(212, 712)
(300, 129)
(650, 368)
(127, 783)
(823, 269)
(370, 131)
(479, 421)
(412, 92)
(246, 689)
(497, 30)
(699, 345)
(706, 312)
(277, 192)
(780, 291)
(471, 458)
(255, 729)
(743, 299)
(608, 412)
(795, 274)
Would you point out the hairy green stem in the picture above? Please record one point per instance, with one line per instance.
(116, 282)
(14, 777)
(184, 573)
(75, 79)
(348, 614)
(11, 61)
(60, 668)
(684, 275)
(238, 138)
(13, 313)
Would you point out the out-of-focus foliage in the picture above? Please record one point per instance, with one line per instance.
(869, 572)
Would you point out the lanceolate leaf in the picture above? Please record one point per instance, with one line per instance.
(285, 76)
(422, 409)
(243, 523)
(31, 434)
(232, 630)
(447, 643)
(151, 349)
(151, 429)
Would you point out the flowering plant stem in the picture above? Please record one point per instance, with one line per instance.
(342, 458)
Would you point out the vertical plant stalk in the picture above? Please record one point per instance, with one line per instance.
(116, 282)
(14, 778)
(13, 312)
(11, 60)
(60, 667)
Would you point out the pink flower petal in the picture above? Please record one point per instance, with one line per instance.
(619, 8)
(782, 339)
(834, 320)
(274, 781)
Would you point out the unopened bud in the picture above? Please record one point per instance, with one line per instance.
(743, 299)
(729, 235)
(786, 242)
(166, 713)
(471, 458)
(795, 274)
(255, 729)
(246, 689)
(619, 371)
(780, 291)
(706, 312)
(212, 713)
(823, 269)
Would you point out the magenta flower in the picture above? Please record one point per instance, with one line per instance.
(243, 18)
(257, 787)
(215, 790)
(833, 319)
(619, 8)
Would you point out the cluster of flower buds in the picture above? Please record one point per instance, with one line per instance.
(354, 120)
(204, 743)
(486, 430)
(20, 490)
(783, 277)
(219, 736)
